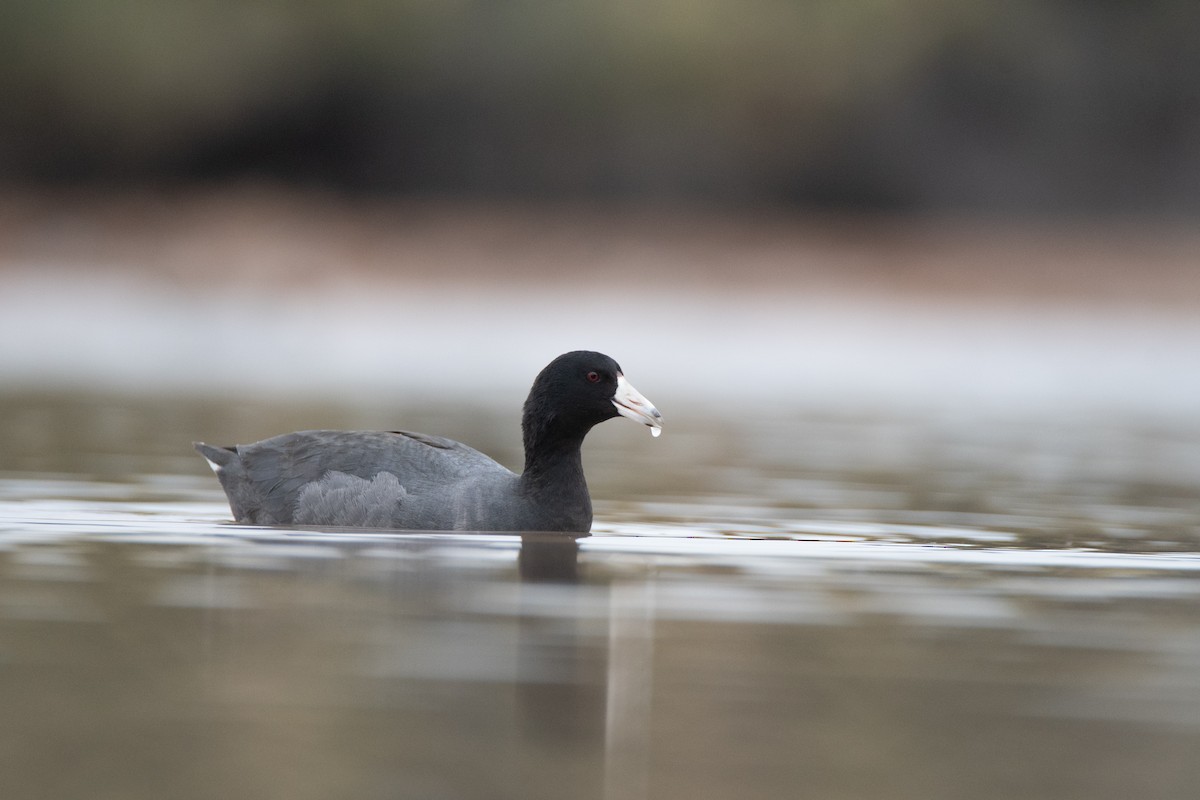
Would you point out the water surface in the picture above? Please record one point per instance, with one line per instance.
(809, 603)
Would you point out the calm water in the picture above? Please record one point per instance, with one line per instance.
(814, 603)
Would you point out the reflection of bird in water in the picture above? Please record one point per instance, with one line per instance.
(549, 559)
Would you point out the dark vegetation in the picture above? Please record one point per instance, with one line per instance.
(917, 105)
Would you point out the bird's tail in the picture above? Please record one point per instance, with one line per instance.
(217, 457)
(226, 462)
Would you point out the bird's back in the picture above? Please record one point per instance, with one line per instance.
(357, 478)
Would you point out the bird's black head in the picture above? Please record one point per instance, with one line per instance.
(576, 391)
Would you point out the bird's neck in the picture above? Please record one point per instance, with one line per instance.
(553, 478)
(553, 461)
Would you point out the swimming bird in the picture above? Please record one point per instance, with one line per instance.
(411, 481)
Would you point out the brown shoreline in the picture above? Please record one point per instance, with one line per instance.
(254, 237)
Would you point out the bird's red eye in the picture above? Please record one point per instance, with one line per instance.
(593, 377)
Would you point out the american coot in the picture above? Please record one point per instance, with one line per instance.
(397, 479)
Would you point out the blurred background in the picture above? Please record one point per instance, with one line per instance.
(915, 284)
(826, 199)
(911, 105)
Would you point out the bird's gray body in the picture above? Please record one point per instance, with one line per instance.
(376, 479)
(410, 481)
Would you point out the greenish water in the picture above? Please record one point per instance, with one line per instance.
(814, 603)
